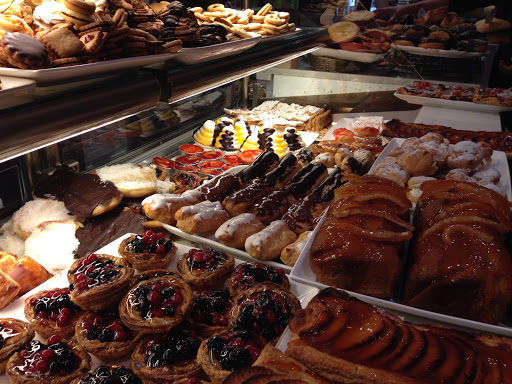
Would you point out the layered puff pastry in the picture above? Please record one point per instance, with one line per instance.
(459, 264)
(52, 312)
(147, 251)
(247, 275)
(103, 335)
(345, 340)
(163, 207)
(205, 269)
(156, 305)
(360, 244)
(167, 357)
(98, 281)
(200, 218)
(14, 335)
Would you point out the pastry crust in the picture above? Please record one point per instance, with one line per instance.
(127, 374)
(133, 319)
(102, 296)
(146, 275)
(210, 277)
(236, 230)
(269, 242)
(248, 274)
(48, 327)
(24, 333)
(146, 260)
(210, 365)
(291, 252)
(9, 289)
(201, 218)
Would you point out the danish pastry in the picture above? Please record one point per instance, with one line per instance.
(247, 275)
(205, 269)
(98, 281)
(9, 289)
(156, 305)
(200, 218)
(109, 373)
(146, 275)
(163, 207)
(147, 251)
(14, 335)
(209, 314)
(236, 230)
(52, 312)
(270, 241)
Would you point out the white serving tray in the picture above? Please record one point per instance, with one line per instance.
(361, 57)
(16, 309)
(452, 104)
(447, 53)
(217, 51)
(13, 85)
(50, 75)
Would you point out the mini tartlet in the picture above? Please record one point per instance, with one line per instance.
(156, 305)
(99, 281)
(247, 275)
(210, 313)
(205, 269)
(147, 251)
(168, 357)
(52, 312)
(63, 363)
(14, 335)
(109, 374)
(103, 335)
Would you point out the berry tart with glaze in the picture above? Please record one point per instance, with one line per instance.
(103, 335)
(149, 274)
(109, 374)
(205, 269)
(55, 362)
(147, 251)
(52, 312)
(229, 351)
(14, 335)
(156, 305)
(99, 281)
(247, 275)
(209, 314)
(265, 309)
(168, 357)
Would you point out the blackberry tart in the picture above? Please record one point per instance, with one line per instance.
(205, 269)
(103, 335)
(149, 274)
(150, 250)
(232, 350)
(109, 374)
(98, 281)
(56, 362)
(156, 305)
(247, 275)
(14, 335)
(52, 312)
(210, 312)
(167, 358)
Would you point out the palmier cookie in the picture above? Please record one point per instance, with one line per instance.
(25, 50)
(98, 281)
(156, 305)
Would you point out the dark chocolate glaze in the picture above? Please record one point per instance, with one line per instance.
(304, 156)
(227, 140)
(255, 191)
(265, 162)
(221, 187)
(282, 171)
(273, 206)
(326, 189)
(99, 231)
(26, 47)
(265, 139)
(292, 139)
(300, 212)
(300, 174)
(307, 181)
(81, 193)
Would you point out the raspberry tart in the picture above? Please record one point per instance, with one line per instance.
(52, 312)
(156, 305)
(99, 281)
(149, 274)
(103, 335)
(205, 269)
(265, 309)
(167, 358)
(247, 275)
(109, 374)
(232, 350)
(147, 251)
(56, 362)
(14, 335)
(209, 314)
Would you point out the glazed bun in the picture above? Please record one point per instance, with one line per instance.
(494, 26)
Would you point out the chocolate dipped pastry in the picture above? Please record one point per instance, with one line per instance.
(240, 201)
(180, 23)
(283, 173)
(416, 30)
(307, 179)
(85, 195)
(293, 139)
(264, 163)
(263, 138)
(301, 215)
(14, 335)
(220, 187)
(273, 206)
(360, 244)
(211, 34)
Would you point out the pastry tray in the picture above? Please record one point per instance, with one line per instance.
(447, 53)
(10, 86)
(268, 39)
(360, 57)
(302, 273)
(16, 309)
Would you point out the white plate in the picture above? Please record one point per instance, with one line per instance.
(453, 54)
(16, 310)
(12, 85)
(217, 51)
(344, 122)
(361, 57)
(452, 104)
(499, 162)
(82, 70)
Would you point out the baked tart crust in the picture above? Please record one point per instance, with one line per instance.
(248, 274)
(143, 261)
(22, 334)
